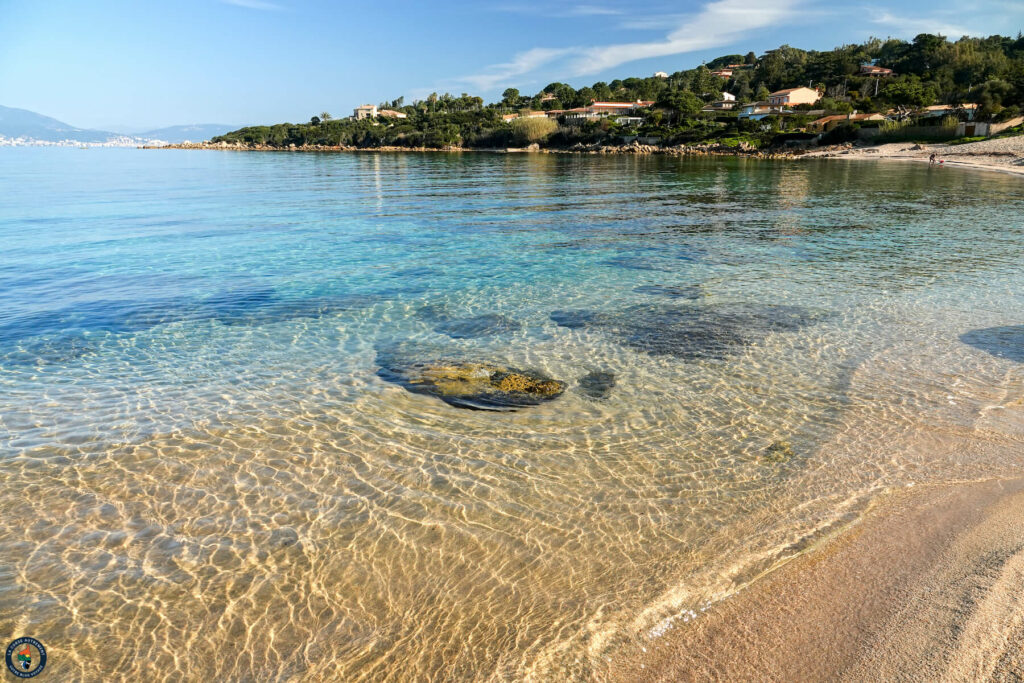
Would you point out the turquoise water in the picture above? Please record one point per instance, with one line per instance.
(214, 437)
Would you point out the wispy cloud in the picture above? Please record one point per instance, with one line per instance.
(909, 27)
(560, 12)
(721, 22)
(522, 63)
(254, 4)
(591, 11)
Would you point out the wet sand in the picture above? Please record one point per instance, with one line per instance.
(929, 585)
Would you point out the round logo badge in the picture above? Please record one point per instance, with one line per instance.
(26, 657)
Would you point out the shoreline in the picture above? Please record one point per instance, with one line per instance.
(1004, 155)
(927, 585)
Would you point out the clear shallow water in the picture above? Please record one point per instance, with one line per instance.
(206, 471)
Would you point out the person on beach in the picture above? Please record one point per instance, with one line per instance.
(931, 159)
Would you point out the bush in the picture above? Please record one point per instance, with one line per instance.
(527, 131)
(907, 131)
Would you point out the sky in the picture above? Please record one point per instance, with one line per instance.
(133, 65)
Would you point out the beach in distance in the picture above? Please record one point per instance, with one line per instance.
(510, 417)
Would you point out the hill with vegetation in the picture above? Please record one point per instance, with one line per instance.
(926, 71)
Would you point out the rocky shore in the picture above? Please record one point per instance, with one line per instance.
(998, 154)
(630, 148)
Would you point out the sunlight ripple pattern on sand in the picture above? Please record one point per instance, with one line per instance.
(207, 476)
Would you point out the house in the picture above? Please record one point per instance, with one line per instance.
(391, 114)
(551, 113)
(722, 73)
(874, 70)
(547, 97)
(577, 113)
(939, 110)
(629, 120)
(727, 102)
(759, 110)
(600, 109)
(364, 111)
(660, 74)
(830, 122)
(793, 96)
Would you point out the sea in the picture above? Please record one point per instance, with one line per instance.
(467, 416)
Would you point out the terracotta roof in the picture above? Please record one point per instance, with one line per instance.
(943, 107)
(844, 117)
(638, 103)
(789, 90)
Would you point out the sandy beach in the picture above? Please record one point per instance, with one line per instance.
(927, 586)
(998, 154)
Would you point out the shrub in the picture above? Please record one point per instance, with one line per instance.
(529, 130)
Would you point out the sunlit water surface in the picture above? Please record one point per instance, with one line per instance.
(207, 474)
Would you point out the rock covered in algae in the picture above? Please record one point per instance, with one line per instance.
(779, 451)
(473, 385)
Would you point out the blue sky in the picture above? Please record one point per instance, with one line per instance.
(130, 65)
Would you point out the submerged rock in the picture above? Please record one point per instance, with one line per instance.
(60, 333)
(671, 291)
(690, 332)
(779, 451)
(485, 325)
(597, 383)
(633, 263)
(1002, 342)
(473, 385)
(577, 320)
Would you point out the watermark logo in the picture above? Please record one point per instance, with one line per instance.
(26, 657)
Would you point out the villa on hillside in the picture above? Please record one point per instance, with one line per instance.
(595, 110)
(759, 110)
(939, 110)
(660, 74)
(727, 102)
(392, 114)
(873, 70)
(364, 111)
(617, 108)
(793, 96)
(722, 73)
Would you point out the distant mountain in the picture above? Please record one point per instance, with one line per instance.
(22, 123)
(196, 132)
(21, 126)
